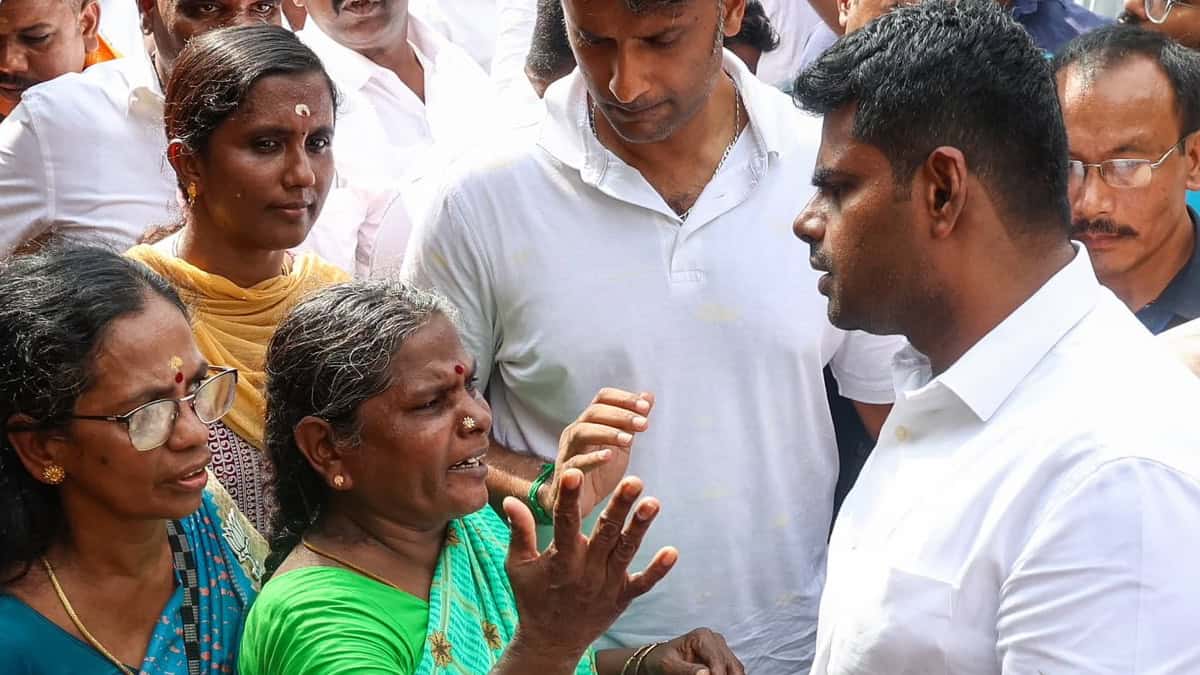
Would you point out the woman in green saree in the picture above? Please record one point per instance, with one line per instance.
(387, 557)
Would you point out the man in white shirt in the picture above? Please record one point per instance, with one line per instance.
(413, 100)
(470, 24)
(643, 243)
(84, 155)
(1026, 508)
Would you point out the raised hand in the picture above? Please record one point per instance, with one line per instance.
(570, 594)
(598, 443)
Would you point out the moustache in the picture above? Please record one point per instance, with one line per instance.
(820, 261)
(13, 81)
(1102, 226)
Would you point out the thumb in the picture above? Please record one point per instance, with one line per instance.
(522, 546)
(673, 664)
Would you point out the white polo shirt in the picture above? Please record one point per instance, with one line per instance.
(1030, 510)
(385, 132)
(573, 274)
(84, 155)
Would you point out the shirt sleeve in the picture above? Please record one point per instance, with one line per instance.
(446, 255)
(25, 181)
(1108, 582)
(862, 366)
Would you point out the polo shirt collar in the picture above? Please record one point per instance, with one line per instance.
(987, 375)
(1181, 298)
(566, 133)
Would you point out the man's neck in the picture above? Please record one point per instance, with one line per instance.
(400, 57)
(984, 300)
(695, 147)
(244, 266)
(1144, 283)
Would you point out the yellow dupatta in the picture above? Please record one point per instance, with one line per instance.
(233, 325)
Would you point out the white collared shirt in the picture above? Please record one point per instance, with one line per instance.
(384, 130)
(1030, 510)
(572, 274)
(469, 24)
(84, 155)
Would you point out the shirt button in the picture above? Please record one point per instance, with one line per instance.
(902, 433)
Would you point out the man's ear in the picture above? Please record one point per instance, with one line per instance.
(89, 25)
(735, 10)
(1191, 155)
(943, 189)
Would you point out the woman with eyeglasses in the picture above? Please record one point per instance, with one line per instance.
(118, 552)
(250, 115)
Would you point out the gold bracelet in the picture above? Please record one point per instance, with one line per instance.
(637, 652)
(638, 668)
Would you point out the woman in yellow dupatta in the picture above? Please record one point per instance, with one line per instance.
(250, 143)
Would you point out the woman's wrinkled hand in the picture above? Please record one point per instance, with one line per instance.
(700, 652)
(568, 595)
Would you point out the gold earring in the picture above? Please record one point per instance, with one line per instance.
(53, 474)
(191, 193)
(468, 423)
(339, 481)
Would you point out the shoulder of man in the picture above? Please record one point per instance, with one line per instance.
(102, 88)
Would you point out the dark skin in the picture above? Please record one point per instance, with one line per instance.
(663, 104)
(935, 263)
(376, 29)
(117, 500)
(262, 181)
(1182, 23)
(1129, 111)
(398, 493)
(171, 23)
(42, 39)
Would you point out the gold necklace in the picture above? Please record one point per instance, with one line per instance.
(348, 564)
(62, 597)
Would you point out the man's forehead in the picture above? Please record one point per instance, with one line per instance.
(1118, 107)
(19, 14)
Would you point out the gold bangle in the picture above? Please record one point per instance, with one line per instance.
(636, 653)
(638, 668)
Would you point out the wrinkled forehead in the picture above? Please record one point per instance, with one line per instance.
(17, 15)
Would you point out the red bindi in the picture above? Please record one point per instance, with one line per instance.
(178, 378)
(458, 368)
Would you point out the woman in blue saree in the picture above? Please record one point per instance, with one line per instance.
(118, 552)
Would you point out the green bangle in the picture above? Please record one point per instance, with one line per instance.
(539, 514)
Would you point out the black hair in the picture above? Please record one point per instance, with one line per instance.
(331, 354)
(55, 309)
(216, 71)
(550, 54)
(960, 73)
(1111, 46)
(756, 31)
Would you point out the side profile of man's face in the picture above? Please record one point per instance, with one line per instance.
(1126, 110)
(42, 39)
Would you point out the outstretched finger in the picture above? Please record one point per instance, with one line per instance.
(607, 533)
(588, 461)
(566, 512)
(616, 417)
(631, 539)
(587, 434)
(637, 402)
(641, 583)
(523, 543)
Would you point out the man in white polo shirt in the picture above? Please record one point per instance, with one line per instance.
(1028, 507)
(413, 100)
(643, 243)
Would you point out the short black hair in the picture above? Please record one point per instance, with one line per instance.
(1111, 46)
(757, 31)
(960, 73)
(550, 54)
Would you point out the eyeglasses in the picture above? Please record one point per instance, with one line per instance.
(151, 424)
(1158, 10)
(1119, 173)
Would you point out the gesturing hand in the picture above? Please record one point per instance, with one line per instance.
(700, 652)
(598, 444)
(570, 594)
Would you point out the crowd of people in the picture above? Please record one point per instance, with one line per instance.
(323, 349)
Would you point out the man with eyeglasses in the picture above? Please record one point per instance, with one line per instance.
(1178, 19)
(1131, 103)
